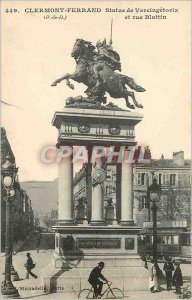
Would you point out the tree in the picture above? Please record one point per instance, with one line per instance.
(175, 203)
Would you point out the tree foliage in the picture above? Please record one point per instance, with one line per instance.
(175, 203)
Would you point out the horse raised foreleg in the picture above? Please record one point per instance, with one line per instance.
(127, 101)
(65, 77)
(132, 95)
(69, 84)
(124, 93)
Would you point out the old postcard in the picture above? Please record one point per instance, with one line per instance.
(95, 149)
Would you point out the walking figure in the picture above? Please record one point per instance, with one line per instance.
(94, 279)
(153, 282)
(29, 265)
(168, 268)
(177, 278)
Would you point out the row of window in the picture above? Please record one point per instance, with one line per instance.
(185, 239)
(163, 179)
(161, 239)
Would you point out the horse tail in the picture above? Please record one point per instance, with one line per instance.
(132, 84)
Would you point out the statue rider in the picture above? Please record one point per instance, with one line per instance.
(105, 56)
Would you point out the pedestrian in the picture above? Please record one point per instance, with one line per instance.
(29, 265)
(153, 282)
(94, 279)
(177, 278)
(168, 268)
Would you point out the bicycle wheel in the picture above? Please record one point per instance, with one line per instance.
(115, 294)
(86, 294)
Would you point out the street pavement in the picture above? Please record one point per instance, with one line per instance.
(32, 288)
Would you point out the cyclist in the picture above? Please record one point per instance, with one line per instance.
(94, 279)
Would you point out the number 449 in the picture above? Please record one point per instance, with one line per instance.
(11, 10)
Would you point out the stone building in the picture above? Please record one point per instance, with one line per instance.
(173, 175)
(81, 189)
(22, 212)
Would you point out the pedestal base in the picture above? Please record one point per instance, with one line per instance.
(126, 273)
(79, 249)
(96, 239)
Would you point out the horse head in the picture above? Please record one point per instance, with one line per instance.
(82, 48)
(77, 48)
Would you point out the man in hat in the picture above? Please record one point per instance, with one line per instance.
(177, 278)
(94, 279)
(168, 268)
(29, 265)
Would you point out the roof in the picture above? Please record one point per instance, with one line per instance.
(165, 164)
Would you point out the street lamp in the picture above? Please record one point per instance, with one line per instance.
(9, 172)
(154, 194)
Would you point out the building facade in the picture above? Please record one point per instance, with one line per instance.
(173, 176)
(82, 208)
(22, 212)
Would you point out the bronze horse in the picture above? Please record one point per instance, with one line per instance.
(114, 83)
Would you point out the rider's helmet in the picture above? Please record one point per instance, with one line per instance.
(98, 44)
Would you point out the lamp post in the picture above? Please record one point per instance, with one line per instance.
(9, 172)
(14, 274)
(154, 194)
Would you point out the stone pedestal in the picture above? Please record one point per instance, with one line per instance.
(79, 248)
(90, 128)
(115, 245)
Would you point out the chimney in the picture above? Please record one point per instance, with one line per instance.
(178, 158)
(147, 154)
(162, 156)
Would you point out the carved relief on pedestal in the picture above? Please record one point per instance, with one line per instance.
(99, 176)
(114, 129)
(83, 128)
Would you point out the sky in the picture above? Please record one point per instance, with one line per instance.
(36, 51)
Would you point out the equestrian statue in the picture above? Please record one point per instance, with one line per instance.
(95, 67)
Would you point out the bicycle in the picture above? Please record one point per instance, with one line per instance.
(186, 294)
(111, 293)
